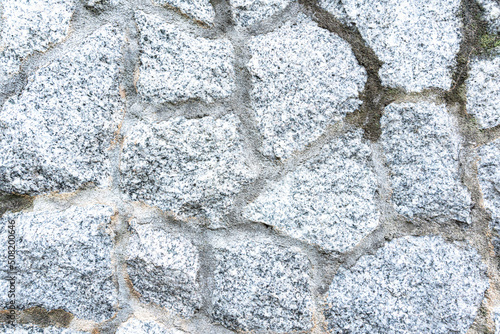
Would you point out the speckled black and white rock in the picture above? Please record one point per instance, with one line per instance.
(411, 285)
(177, 66)
(63, 260)
(417, 42)
(162, 268)
(329, 201)
(422, 146)
(483, 93)
(260, 286)
(200, 10)
(32, 329)
(56, 134)
(491, 14)
(189, 167)
(304, 78)
(30, 26)
(489, 179)
(248, 12)
(136, 326)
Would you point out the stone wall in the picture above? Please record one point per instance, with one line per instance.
(196, 166)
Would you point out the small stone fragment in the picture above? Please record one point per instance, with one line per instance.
(262, 287)
(304, 78)
(411, 285)
(422, 145)
(190, 167)
(248, 12)
(491, 14)
(137, 326)
(162, 268)
(483, 93)
(200, 10)
(32, 329)
(329, 201)
(63, 259)
(489, 180)
(30, 26)
(56, 135)
(177, 66)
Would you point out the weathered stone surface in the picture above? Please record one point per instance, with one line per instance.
(411, 285)
(483, 94)
(489, 179)
(422, 148)
(304, 78)
(262, 287)
(32, 329)
(329, 201)
(190, 167)
(491, 14)
(162, 268)
(136, 326)
(29, 26)
(248, 12)
(63, 260)
(56, 134)
(177, 66)
(416, 42)
(200, 10)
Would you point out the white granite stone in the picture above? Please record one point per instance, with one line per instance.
(136, 326)
(489, 179)
(249, 12)
(199, 10)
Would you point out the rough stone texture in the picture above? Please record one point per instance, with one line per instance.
(56, 134)
(190, 167)
(31, 26)
(162, 268)
(248, 12)
(329, 201)
(491, 14)
(417, 42)
(411, 285)
(262, 287)
(483, 94)
(496, 319)
(422, 148)
(177, 66)
(489, 179)
(200, 10)
(63, 260)
(31, 329)
(136, 326)
(304, 78)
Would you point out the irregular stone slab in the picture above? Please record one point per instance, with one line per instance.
(483, 95)
(137, 326)
(177, 66)
(32, 329)
(304, 78)
(200, 10)
(329, 201)
(417, 43)
(56, 135)
(422, 146)
(30, 26)
(491, 14)
(262, 287)
(489, 179)
(63, 260)
(411, 285)
(189, 167)
(248, 12)
(162, 268)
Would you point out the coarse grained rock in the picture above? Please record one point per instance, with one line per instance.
(32, 329)
(411, 285)
(262, 287)
(30, 26)
(249, 12)
(304, 79)
(56, 135)
(483, 95)
(177, 66)
(491, 14)
(422, 147)
(329, 201)
(199, 10)
(191, 167)
(489, 180)
(417, 42)
(63, 259)
(163, 268)
(136, 326)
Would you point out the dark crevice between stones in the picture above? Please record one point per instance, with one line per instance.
(14, 203)
(41, 317)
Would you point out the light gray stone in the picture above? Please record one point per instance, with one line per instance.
(329, 201)
(411, 285)
(162, 268)
(489, 179)
(491, 14)
(32, 329)
(63, 259)
(56, 135)
(190, 167)
(483, 93)
(30, 26)
(262, 287)
(422, 146)
(496, 319)
(417, 42)
(304, 78)
(199, 10)
(248, 12)
(177, 66)
(136, 326)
